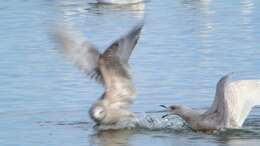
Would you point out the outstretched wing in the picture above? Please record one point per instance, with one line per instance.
(81, 52)
(123, 47)
(115, 69)
(241, 97)
(219, 100)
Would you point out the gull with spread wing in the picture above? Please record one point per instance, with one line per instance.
(232, 104)
(110, 68)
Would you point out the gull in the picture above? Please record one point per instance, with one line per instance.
(231, 106)
(119, 1)
(110, 68)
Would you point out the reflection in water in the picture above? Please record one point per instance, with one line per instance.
(232, 137)
(201, 15)
(112, 138)
(206, 25)
(247, 8)
(229, 137)
(147, 124)
(72, 8)
(119, 2)
(136, 9)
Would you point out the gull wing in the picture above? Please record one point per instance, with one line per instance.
(115, 69)
(81, 52)
(123, 47)
(241, 97)
(219, 100)
(233, 101)
(111, 67)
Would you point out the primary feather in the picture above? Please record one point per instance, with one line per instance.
(241, 96)
(81, 52)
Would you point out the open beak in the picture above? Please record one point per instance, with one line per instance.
(163, 106)
(165, 110)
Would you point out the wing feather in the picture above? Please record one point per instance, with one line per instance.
(123, 47)
(81, 52)
(242, 96)
(115, 69)
(218, 103)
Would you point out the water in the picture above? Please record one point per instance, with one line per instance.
(185, 47)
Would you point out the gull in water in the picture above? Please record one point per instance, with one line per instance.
(121, 2)
(232, 104)
(110, 68)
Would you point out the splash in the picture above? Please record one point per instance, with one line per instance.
(147, 121)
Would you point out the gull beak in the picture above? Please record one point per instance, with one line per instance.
(167, 109)
(164, 116)
(163, 106)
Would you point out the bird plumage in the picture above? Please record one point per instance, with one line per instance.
(232, 104)
(111, 68)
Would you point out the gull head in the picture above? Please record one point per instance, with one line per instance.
(98, 114)
(175, 108)
(172, 110)
(106, 117)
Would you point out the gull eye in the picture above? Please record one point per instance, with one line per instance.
(173, 107)
(101, 112)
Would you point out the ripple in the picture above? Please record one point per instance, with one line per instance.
(65, 123)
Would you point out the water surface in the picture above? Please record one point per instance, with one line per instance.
(185, 47)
